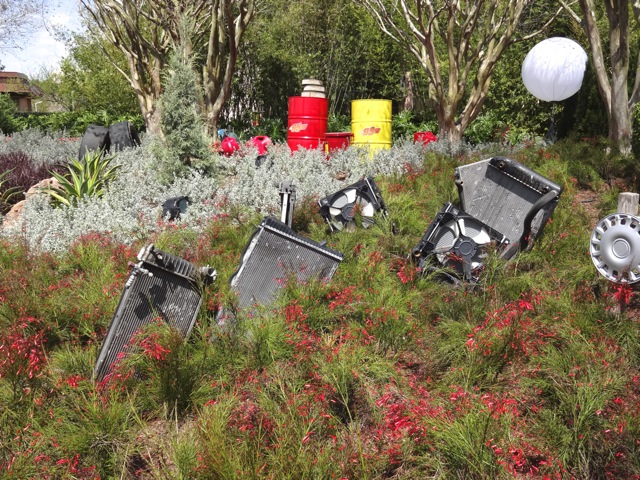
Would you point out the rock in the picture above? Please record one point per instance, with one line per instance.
(38, 187)
(13, 216)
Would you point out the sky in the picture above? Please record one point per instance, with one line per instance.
(42, 50)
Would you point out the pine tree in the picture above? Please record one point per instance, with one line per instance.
(182, 126)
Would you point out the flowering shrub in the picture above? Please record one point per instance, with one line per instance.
(379, 373)
(22, 355)
(163, 371)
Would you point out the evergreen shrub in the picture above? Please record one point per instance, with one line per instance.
(183, 129)
(7, 113)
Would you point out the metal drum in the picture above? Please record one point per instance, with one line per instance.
(371, 123)
(307, 124)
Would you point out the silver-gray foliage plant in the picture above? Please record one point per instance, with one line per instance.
(130, 209)
(44, 148)
(132, 206)
(312, 171)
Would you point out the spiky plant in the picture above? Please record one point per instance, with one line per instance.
(85, 178)
(6, 194)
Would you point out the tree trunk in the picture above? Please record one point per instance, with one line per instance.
(147, 92)
(130, 26)
(452, 133)
(409, 87)
(229, 20)
(620, 127)
(448, 128)
(612, 79)
(620, 117)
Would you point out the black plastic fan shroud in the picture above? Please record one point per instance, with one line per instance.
(341, 209)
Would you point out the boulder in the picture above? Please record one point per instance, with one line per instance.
(14, 215)
(38, 187)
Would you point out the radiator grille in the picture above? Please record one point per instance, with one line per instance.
(501, 193)
(159, 286)
(274, 254)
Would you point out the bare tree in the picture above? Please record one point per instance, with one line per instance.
(620, 100)
(147, 30)
(18, 20)
(133, 27)
(229, 21)
(457, 43)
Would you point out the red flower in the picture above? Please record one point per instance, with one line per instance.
(622, 293)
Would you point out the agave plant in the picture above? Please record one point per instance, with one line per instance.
(9, 193)
(85, 178)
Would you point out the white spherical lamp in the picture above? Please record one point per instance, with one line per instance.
(553, 69)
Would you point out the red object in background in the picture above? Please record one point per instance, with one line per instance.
(307, 123)
(230, 145)
(337, 141)
(261, 142)
(424, 137)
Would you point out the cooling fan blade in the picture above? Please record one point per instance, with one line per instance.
(362, 201)
(342, 208)
(457, 241)
(466, 255)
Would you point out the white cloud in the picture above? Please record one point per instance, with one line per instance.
(41, 50)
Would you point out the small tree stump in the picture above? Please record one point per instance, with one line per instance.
(628, 203)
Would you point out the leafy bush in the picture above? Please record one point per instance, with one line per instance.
(7, 113)
(273, 128)
(591, 162)
(43, 148)
(338, 123)
(130, 208)
(73, 123)
(21, 172)
(484, 128)
(183, 129)
(403, 126)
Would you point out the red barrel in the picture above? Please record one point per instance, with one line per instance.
(337, 141)
(307, 125)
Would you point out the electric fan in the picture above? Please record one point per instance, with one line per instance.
(458, 242)
(341, 209)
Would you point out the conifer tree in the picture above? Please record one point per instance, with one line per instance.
(183, 128)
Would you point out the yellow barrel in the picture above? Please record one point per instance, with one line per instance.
(371, 123)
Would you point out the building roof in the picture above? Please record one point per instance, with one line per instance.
(16, 82)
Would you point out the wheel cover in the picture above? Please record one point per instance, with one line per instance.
(615, 248)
